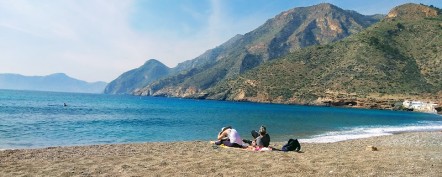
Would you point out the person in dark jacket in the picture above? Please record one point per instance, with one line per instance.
(262, 138)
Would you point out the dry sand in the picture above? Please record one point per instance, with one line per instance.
(407, 154)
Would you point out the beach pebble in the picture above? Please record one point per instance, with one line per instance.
(371, 148)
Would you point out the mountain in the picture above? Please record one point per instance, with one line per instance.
(138, 78)
(398, 58)
(289, 31)
(58, 82)
(153, 70)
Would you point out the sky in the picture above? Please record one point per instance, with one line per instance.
(98, 40)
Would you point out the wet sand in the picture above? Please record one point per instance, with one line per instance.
(406, 154)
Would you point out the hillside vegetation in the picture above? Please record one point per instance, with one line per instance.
(400, 56)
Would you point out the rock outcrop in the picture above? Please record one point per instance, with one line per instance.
(411, 12)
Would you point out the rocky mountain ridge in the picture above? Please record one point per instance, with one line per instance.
(395, 60)
(287, 32)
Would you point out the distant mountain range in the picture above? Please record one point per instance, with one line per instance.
(314, 55)
(58, 82)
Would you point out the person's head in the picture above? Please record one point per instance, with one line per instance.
(253, 143)
(225, 128)
(262, 130)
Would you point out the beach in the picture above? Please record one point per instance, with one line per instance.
(404, 154)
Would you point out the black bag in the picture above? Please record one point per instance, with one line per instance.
(292, 145)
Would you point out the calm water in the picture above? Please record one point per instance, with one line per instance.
(31, 119)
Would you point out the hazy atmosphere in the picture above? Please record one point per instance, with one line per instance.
(99, 40)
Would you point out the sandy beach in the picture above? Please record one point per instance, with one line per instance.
(405, 154)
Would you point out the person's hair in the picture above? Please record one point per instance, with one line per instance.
(262, 133)
(225, 128)
(262, 130)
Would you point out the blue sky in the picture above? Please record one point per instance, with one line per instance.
(97, 40)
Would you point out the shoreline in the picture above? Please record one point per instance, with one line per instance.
(400, 154)
(320, 139)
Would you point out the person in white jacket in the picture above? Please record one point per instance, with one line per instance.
(229, 137)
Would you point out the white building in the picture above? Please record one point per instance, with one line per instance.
(420, 106)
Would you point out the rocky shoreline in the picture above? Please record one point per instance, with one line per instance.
(339, 99)
(383, 103)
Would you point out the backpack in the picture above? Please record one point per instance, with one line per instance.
(292, 145)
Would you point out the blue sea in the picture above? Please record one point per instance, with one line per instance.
(35, 119)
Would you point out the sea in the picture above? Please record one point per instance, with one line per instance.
(36, 119)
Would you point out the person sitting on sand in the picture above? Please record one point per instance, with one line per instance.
(261, 138)
(229, 137)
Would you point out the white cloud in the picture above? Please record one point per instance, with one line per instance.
(90, 40)
(94, 40)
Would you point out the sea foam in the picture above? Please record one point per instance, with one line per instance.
(367, 132)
